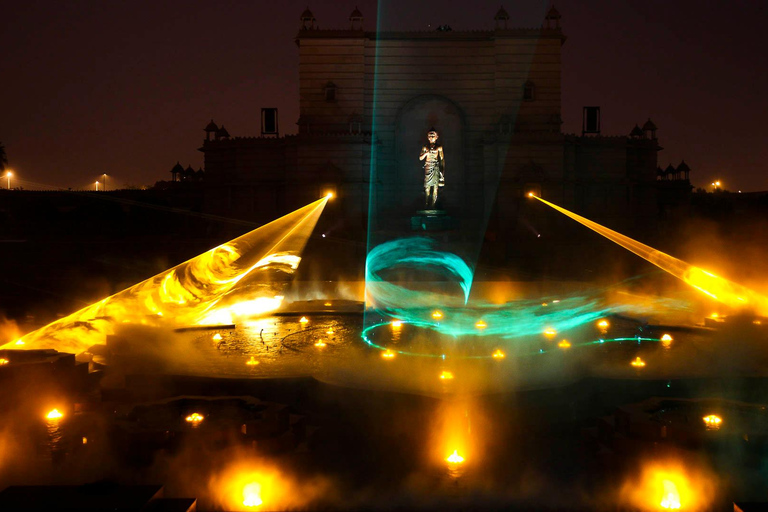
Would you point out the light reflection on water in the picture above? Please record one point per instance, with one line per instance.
(55, 437)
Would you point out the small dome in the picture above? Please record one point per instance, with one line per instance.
(211, 127)
(683, 167)
(177, 168)
(649, 125)
(670, 169)
(189, 169)
(356, 14)
(636, 132)
(501, 14)
(553, 14)
(222, 133)
(307, 14)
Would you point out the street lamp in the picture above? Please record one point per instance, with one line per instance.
(8, 174)
(105, 182)
(97, 186)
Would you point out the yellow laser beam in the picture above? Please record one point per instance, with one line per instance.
(197, 292)
(718, 288)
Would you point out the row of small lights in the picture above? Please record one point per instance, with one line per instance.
(498, 354)
(252, 490)
(9, 175)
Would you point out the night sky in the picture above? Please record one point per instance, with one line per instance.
(126, 88)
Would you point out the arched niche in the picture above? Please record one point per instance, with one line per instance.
(413, 121)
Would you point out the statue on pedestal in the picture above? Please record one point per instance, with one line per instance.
(434, 168)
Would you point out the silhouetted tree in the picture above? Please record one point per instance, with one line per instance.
(3, 158)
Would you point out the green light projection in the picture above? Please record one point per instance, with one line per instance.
(418, 253)
(514, 319)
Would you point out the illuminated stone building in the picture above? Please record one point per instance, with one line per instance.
(495, 97)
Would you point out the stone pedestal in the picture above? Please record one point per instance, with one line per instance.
(432, 220)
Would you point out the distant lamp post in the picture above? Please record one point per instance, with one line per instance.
(716, 184)
(97, 186)
(8, 175)
(105, 182)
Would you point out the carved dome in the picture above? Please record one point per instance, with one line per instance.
(553, 14)
(307, 15)
(649, 125)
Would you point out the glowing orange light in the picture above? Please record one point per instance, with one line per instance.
(303, 320)
(19, 342)
(85, 440)
(195, 418)
(252, 361)
(396, 324)
(3, 361)
(329, 332)
(437, 315)
(388, 354)
(54, 415)
(252, 495)
(530, 194)
(671, 498)
(603, 324)
(712, 421)
(320, 344)
(329, 195)
(498, 354)
(217, 337)
(757, 322)
(480, 324)
(666, 341)
(544, 304)
(455, 458)
(327, 304)
(445, 375)
(550, 332)
(638, 363)
(714, 315)
(564, 344)
(670, 485)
